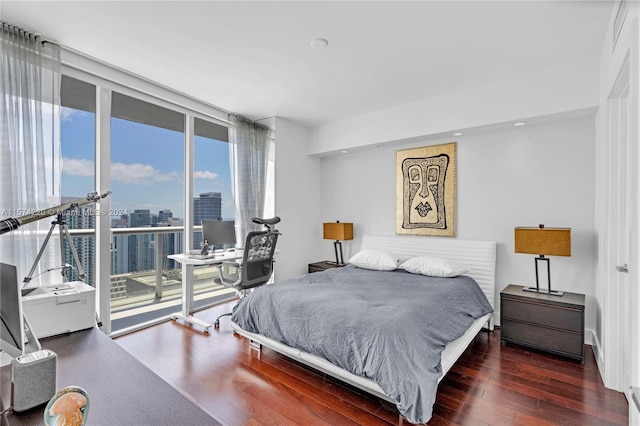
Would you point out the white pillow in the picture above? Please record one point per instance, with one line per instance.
(377, 260)
(434, 266)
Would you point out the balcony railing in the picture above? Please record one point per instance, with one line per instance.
(145, 284)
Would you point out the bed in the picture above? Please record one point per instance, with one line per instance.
(409, 359)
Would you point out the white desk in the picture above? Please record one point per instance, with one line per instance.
(188, 262)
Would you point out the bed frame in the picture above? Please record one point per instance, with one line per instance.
(478, 256)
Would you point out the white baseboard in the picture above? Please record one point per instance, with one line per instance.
(597, 352)
(588, 337)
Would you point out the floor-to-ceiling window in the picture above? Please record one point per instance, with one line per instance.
(147, 201)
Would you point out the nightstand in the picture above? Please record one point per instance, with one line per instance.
(542, 321)
(322, 266)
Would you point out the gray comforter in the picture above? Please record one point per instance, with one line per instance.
(390, 327)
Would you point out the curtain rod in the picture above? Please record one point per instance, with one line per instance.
(51, 42)
(265, 118)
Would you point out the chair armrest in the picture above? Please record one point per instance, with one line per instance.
(224, 280)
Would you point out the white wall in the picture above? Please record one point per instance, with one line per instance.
(297, 200)
(522, 176)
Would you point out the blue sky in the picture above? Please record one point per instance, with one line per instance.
(147, 165)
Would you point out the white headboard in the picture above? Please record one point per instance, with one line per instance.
(478, 256)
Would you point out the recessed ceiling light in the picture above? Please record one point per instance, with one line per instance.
(519, 123)
(458, 134)
(319, 43)
(344, 151)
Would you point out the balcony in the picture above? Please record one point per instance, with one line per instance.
(146, 286)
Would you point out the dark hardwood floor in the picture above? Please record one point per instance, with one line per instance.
(491, 384)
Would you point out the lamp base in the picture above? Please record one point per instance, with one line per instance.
(543, 291)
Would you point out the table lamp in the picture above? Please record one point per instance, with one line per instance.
(543, 242)
(338, 231)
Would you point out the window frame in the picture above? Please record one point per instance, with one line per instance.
(106, 80)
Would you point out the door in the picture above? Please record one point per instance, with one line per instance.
(620, 235)
(621, 265)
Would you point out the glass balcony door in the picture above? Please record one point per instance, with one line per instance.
(147, 169)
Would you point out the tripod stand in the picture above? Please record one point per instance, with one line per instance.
(64, 236)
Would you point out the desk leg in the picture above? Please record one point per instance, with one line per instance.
(187, 300)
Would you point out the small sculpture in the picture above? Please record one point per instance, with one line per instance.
(68, 407)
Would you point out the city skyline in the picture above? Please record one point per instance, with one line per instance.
(132, 253)
(163, 214)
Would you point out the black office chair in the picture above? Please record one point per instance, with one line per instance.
(257, 261)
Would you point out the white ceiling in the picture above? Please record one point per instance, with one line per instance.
(255, 58)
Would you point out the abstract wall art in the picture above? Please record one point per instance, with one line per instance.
(426, 190)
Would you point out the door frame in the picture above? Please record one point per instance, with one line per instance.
(621, 297)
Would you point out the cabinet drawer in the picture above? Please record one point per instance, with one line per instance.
(322, 266)
(554, 340)
(545, 315)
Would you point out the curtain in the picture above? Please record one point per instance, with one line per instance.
(30, 157)
(249, 144)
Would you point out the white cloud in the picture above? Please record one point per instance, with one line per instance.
(204, 174)
(141, 174)
(77, 166)
(67, 114)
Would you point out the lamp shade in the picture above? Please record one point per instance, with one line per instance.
(338, 231)
(543, 241)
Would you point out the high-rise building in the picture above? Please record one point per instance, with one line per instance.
(120, 254)
(207, 206)
(140, 246)
(81, 218)
(122, 222)
(162, 218)
(171, 243)
(140, 218)
(164, 215)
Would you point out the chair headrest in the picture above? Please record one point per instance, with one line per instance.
(264, 221)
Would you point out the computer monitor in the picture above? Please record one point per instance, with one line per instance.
(16, 337)
(219, 233)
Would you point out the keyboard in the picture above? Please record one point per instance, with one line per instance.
(203, 256)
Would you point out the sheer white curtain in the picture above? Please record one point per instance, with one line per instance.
(249, 156)
(30, 157)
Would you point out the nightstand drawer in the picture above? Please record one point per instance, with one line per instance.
(542, 314)
(322, 266)
(314, 268)
(553, 340)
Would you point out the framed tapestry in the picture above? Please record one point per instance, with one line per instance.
(426, 190)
